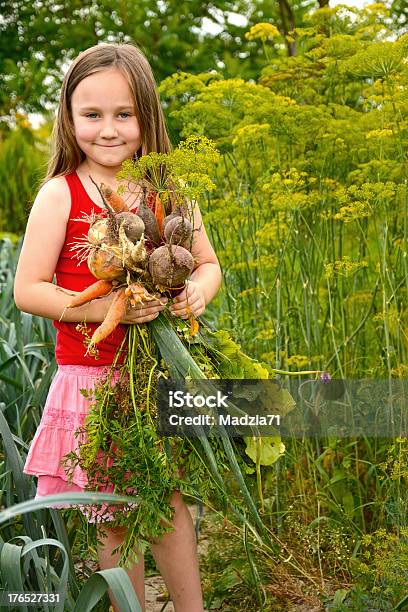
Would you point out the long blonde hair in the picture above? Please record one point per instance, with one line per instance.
(66, 155)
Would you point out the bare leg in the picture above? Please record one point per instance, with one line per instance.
(115, 536)
(176, 557)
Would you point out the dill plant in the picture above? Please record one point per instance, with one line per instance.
(310, 223)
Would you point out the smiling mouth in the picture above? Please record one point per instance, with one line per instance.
(110, 146)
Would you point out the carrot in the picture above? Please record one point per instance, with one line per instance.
(98, 289)
(112, 319)
(159, 214)
(117, 203)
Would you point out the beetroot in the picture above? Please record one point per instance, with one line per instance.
(179, 211)
(170, 265)
(178, 231)
(132, 224)
(150, 221)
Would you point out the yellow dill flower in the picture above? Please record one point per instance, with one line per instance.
(251, 132)
(378, 60)
(263, 262)
(180, 82)
(291, 201)
(264, 31)
(330, 183)
(202, 147)
(378, 9)
(355, 210)
(269, 236)
(359, 201)
(299, 361)
(343, 267)
(391, 318)
(268, 231)
(379, 133)
(22, 120)
(265, 334)
(290, 180)
(231, 86)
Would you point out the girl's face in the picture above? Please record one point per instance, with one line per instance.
(104, 120)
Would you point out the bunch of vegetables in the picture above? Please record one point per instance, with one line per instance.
(135, 256)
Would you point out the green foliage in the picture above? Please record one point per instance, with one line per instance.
(22, 162)
(313, 156)
(266, 450)
(235, 364)
(383, 568)
(399, 12)
(26, 351)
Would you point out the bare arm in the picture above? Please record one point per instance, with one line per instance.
(34, 291)
(208, 275)
(207, 271)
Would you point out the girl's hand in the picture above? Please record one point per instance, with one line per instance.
(144, 311)
(193, 297)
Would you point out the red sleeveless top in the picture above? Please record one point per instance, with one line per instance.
(72, 274)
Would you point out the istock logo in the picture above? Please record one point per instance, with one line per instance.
(180, 399)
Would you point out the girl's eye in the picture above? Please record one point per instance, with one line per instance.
(92, 115)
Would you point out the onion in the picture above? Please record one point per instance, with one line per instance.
(97, 232)
(105, 265)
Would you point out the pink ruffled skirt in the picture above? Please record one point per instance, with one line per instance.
(64, 412)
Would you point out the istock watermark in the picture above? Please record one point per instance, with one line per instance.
(332, 407)
(180, 399)
(226, 420)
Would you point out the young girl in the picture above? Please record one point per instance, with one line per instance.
(109, 111)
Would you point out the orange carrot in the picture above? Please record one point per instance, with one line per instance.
(117, 203)
(98, 289)
(112, 319)
(159, 214)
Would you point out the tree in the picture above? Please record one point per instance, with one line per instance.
(39, 38)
